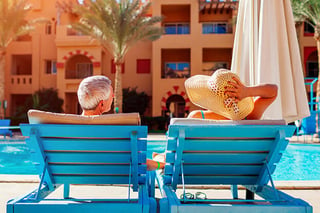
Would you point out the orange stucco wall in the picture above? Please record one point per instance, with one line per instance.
(63, 45)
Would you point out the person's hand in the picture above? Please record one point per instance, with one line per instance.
(236, 90)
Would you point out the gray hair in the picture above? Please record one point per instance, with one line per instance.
(92, 90)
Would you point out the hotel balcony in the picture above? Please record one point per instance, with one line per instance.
(21, 84)
(211, 27)
(69, 37)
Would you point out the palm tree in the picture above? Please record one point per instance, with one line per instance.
(12, 25)
(118, 25)
(309, 11)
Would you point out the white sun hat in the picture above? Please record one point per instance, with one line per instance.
(208, 92)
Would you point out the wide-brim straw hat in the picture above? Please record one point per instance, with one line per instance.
(208, 92)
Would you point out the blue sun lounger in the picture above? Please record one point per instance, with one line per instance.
(201, 152)
(68, 154)
(5, 127)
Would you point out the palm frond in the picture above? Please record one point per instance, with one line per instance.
(13, 20)
(297, 9)
(307, 10)
(118, 24)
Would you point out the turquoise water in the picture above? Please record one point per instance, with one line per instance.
(15, 159)
(299, 162)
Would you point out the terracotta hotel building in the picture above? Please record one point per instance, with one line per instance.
(198, 39)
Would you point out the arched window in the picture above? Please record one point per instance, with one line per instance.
(78, 67)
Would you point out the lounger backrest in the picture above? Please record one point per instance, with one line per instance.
(224, 152)
(76, 153)
(88, 154)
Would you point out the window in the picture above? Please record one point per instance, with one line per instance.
(143, 66)
(215, 28)
(177, 28)
(48, 29)
(51, 67)
(21, 65)
(73, 32)
(177, 70)
(308, 29)
(312, 69)
(84, 70)
(213, 66)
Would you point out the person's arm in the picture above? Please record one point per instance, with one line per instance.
(240, 91)
(265, 93)
(154, 165)
(195, 114)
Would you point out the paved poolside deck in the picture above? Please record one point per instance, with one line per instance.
(16, 185)
(307, 139)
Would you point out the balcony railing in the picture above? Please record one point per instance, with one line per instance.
(217, 28)
(21, 80)
(72, 32)
(176, 28)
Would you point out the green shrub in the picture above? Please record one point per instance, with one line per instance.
(134, 101)
(43, 99)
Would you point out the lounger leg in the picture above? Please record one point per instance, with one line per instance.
(66, 191)
(151, 176)
(249, 195)
(234, 189)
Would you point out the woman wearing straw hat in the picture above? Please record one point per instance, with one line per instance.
(225, 97)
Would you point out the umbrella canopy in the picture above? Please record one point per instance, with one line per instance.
(266, 50)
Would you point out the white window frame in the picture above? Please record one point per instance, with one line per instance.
(53, 65)
(214, 25)
(180, 73)
(176, 25)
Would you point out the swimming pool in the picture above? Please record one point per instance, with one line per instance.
(15, 159)
(299, 161)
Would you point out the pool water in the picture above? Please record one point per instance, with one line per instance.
(15, 159)
(299, 161)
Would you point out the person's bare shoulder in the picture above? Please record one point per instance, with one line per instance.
(195, 114)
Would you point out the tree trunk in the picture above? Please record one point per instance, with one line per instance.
(317, 38)
(2, 80)
(118, 89)
(2, 75)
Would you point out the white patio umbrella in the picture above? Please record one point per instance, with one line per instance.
(266, 51)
